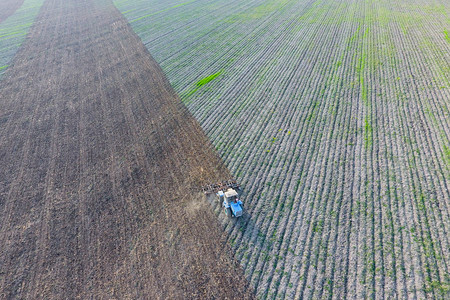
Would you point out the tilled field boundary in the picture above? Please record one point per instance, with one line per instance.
(8, 7)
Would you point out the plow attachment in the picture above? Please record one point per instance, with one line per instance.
(221, 186)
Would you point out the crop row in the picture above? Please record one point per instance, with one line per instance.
(334, 117)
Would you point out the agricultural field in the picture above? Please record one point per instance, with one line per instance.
(100, 168)
(334, 116)
(16, 18)
(8, 7)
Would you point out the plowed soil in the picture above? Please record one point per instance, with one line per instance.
(100, 168)
(8, 7)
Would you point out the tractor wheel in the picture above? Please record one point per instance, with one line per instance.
(228, 211)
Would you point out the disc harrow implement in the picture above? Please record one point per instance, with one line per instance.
(220, 186)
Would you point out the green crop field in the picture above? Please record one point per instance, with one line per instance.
(334, 116)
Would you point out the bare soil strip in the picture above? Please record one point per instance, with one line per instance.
(8, 7)
(100, 165)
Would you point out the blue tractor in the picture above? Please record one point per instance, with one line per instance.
(230, 203)
(227, 195)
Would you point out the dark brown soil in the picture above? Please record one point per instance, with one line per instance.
(8, 7)
(100, 168)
